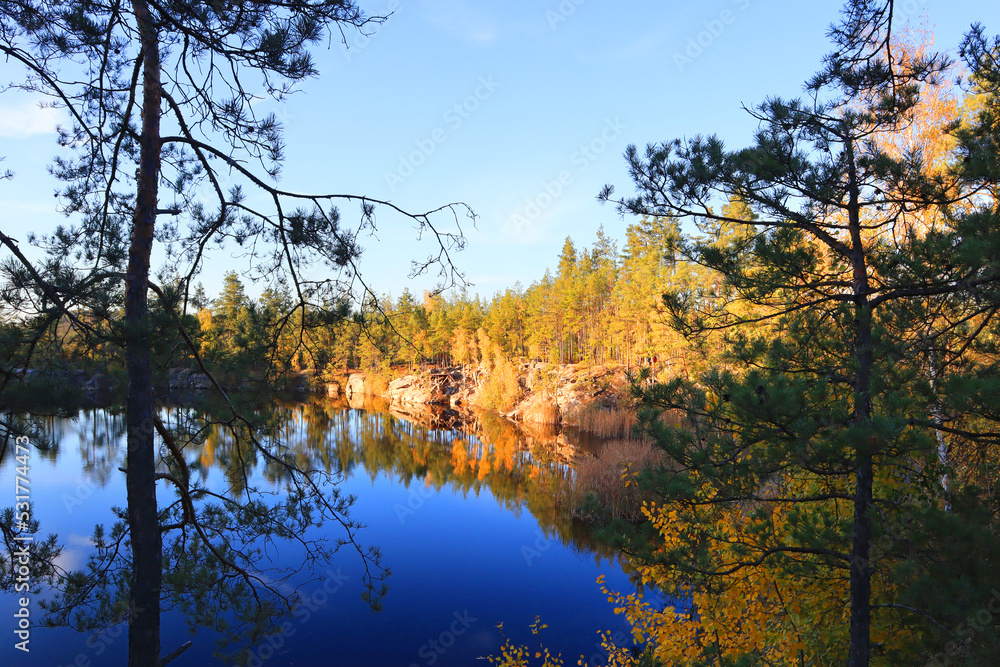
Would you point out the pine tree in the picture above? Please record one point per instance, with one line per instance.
(816, 436)
(166, 137)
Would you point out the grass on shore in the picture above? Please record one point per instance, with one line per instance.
(604, 422)
(606, 479)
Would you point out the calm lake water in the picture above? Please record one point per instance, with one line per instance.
(473, 519)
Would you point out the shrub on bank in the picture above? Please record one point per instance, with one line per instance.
(500, 389)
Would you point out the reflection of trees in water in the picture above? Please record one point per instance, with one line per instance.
(101, 434)
(521, 470)
(433, 447)
(97, 432)
(232, 552)
(520, 467)
(44, 431)
(256, 519)
(489, 453)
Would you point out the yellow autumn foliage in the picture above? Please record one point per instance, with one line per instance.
(752, 611)
(773, 611)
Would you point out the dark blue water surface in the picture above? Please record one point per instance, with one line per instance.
(474, 523)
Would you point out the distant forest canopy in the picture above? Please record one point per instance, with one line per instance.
(601, 305)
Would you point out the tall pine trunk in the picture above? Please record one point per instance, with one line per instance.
(861, 571)
(859, 652)
(144, 528)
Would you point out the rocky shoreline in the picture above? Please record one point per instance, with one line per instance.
(547, 393)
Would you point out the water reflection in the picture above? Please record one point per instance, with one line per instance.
(473, 457)
(522, 467)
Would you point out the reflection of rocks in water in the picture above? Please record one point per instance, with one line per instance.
(546, 441)
(525, 466)
(366, 402)
(336, 401)
(544, 432)
(356, 400)
(541, 440)
(430, 416)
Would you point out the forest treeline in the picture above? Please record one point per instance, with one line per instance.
(601, 304)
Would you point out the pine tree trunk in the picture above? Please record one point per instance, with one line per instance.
(144, 528)
(861, 579)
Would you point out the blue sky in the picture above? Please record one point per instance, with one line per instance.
(520, 109)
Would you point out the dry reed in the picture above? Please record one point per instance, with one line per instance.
(605, 422)
(376, 383)
(608, 477)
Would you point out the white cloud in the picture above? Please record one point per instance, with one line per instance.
(83, 541)
(27, 119)
(75, 552)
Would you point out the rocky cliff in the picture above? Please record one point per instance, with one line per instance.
(547, 393)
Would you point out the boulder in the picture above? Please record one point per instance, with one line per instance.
(355, 384)
(418, 389)
(556, 394)
(588, 386)
(539, 408)
(184, 379)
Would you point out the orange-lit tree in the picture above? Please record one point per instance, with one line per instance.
(807, 462)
